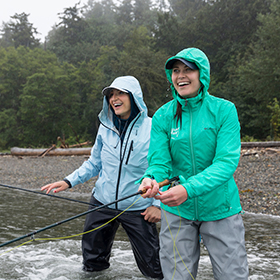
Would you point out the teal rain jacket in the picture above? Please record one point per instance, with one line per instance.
(119, 165)
(204, 150)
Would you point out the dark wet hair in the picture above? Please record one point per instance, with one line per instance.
(178, 114)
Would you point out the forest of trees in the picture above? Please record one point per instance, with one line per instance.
(53, 88)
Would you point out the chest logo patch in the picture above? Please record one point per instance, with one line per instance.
(174, 133)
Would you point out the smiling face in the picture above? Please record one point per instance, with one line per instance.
(120, 102)
(185, 80)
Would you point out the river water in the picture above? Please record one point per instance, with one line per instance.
(22, 213)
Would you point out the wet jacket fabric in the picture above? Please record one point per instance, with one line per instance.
(204, 150)
(119, 163)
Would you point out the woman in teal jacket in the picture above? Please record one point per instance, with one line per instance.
(119, 158)
(196, 136)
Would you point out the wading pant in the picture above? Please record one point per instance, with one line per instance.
(143, 236)
(224, 240)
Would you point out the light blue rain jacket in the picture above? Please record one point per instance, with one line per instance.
(118, 165)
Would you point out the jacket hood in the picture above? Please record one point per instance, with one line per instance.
(198, 57)
(128, 84)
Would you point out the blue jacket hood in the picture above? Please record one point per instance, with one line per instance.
(127, 83)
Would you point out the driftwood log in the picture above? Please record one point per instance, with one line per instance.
(54, 152)
(260, 144)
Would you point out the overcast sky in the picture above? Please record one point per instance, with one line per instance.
(42, 14)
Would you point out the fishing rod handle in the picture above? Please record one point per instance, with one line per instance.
(164, 183)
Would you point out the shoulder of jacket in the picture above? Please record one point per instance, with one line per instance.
(167, 109)
(219, 101)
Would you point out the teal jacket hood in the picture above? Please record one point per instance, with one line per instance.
(198, 57)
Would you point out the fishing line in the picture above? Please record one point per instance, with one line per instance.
(71, 218)
(42, 193)
(71, 236)
(175, 248)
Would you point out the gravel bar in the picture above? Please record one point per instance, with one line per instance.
(257, 176)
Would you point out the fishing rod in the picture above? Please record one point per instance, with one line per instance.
(161, 184)
(51, 195)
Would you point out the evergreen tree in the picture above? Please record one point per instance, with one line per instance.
(257, 76)
(19, 32)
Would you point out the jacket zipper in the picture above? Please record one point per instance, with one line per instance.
(121, 161)
(193, 163)
(129, 151)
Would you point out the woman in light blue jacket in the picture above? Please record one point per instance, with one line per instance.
(119, 158)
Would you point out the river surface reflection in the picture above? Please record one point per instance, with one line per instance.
(22, 213)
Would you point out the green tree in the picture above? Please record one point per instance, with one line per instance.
(16, 68)
(124, 12)
(140, 60)
(49, 102)
(70, 39)
(275, 120)
(186, 8)
(19, 32)
(258, 74)
(8, 125)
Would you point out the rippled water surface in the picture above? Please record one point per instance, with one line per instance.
(22, 213)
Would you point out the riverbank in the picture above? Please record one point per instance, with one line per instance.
(257, 176)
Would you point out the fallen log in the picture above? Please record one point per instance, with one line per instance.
(260, 144)
(56, 152)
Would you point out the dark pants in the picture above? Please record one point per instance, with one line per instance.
(143, 236)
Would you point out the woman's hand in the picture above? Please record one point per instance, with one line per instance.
(149, 187)
(152, 214)
(58, 186)
(173, 196)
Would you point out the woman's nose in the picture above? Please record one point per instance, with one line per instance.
(114, 96)
(181, 75)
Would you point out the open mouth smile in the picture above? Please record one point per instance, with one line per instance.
(116, 105)
(181, 84)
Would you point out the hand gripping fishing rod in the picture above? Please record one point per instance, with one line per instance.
(161, 184)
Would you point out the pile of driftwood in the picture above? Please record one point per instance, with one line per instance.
(247, 148)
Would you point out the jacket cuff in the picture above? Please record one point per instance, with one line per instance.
(68, 183)
(156, 203)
